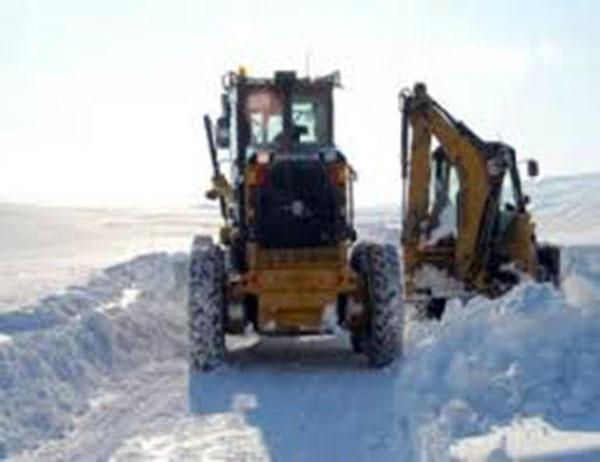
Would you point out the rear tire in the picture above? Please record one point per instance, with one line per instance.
(382, 336)
(206, 305)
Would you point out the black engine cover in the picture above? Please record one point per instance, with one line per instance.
(298, 206)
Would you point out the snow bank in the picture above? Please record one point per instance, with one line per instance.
(529, 438)
(224, 437)
(534, 352)
(61, 349)
(566, 208)
(530, 353)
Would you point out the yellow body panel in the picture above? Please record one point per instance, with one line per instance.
(521, 245)
(294, 286)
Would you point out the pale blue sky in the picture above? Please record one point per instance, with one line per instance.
(100, 102)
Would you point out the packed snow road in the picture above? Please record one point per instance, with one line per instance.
(98, 372)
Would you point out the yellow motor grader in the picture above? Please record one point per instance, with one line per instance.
(284, 264)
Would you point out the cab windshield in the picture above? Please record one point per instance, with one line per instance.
(511, 195)
(508, 195)
(265, 115)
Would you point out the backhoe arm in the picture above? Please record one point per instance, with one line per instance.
(428, 120)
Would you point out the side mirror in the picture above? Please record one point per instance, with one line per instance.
(533, 169)
(222, 135)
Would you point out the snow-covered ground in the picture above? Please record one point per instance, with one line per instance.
(44, 249)
(97, 370)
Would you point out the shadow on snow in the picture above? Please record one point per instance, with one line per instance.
(312, 398)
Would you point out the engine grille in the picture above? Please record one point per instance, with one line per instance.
(316, 256)
(297, 207)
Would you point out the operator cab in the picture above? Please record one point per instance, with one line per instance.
(292, 186)
(507, 189)
(309, 126)
(507, 205)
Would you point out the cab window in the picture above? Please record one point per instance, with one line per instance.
(264, 109)
(309, 118)
(508, 196)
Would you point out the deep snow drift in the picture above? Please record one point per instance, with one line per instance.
(98, 372)
(531, 353)
(58, 353)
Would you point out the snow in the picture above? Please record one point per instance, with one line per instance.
(67, 345)
(446, 227)
(440, 283)
(312, 398)
(97, 370)
(566, 208)
(529, 438)
(530, 354)
(45, 249)
(193, 436)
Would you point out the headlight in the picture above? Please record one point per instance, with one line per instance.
(263, 157)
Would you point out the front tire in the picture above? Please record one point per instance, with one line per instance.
(356, 340)
(381, 337)
(206, 305)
